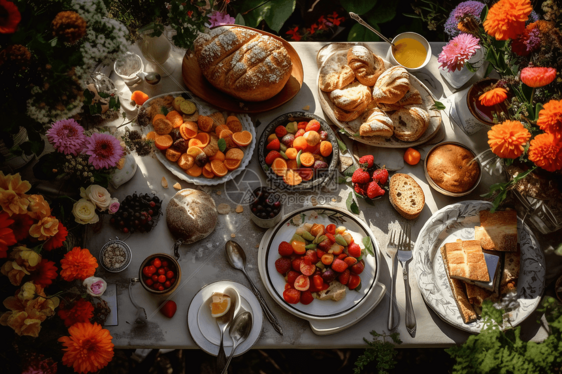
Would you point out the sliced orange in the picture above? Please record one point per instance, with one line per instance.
(292, 178)
(208, 172)
(220, 304)
(307, 159)
(194, 171)
(291, 153)
(163, 142)
(195, 143)
(221, 128)
(218, 156)
(194, 151)
(188, 130)
(218, 168)
(175, 118)
(292, 164)
(232, 164)
(204, 138)
(151, 135)
(242, 139)
(234, 154)
(279, 166)
(158, 116)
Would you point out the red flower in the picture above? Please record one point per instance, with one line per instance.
(335, 19)
(189, 13)
(538, 76)
(44, 273)
(10, 17)
(313, 28)
(22, 224)
(322, 23)
(81, 311)
(7, 237)
(294, 33)
(58, 240)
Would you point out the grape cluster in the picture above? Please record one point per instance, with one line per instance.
(137, 213)
(267, 204)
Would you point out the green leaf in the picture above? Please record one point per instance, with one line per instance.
(358, 6)
(438, 106)
(359, 33)
(357, 134)
(368, 245)
(341, 146)
(349, 171)
(351, 205)
(470, 67)
(384, 12)
(165, 111)
(484, 14)
(342, 179)
(240, 20)
(222, 144)
(275, 12)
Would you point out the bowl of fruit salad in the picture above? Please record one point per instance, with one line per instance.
(160, 274)
(298, 151)
(319, 262)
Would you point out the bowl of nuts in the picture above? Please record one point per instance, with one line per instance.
(115, 256)
(160, 274)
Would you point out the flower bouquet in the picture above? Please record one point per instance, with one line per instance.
(53, 300)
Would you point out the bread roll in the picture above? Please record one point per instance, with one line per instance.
(451, 168)
(335, 74)
(351, 97)
(345, 116)
(410, 123)
(375, 122)
(366, 66)
(406, 196)
(392, 85)
(243, 63)
(412, 97)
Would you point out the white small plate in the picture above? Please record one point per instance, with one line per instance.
(250, 302)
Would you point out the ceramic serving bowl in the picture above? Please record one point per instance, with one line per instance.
(442, 190)
(415, 36)
(170, 259)
(265, 223)
(321, 176)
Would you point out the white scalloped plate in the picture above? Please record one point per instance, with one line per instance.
(206, 109)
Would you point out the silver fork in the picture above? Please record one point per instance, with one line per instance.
(391, 249)
(405, 256)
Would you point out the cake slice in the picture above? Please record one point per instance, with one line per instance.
(465, 261)
(497, 231)
(459, 294)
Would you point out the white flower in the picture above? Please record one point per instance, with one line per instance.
(85, 212)
(95, 286)
(97, 195)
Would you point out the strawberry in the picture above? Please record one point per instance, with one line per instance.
(360, 189)
(274, 145)
(381, 176)
(169, 308)
(360, 176)
(374, 190)
(300, 132)
(367, 162)
(271, 156)
(280, 131)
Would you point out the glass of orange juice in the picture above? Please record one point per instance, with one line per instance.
(412, 51)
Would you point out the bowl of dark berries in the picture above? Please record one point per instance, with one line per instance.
(137, 213)
(160, 274)
(369, 180)
(266, 208)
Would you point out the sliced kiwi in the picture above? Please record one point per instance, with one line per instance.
(188, 107)
(177, 103)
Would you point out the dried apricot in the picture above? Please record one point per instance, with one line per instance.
(186, 161)
(163, 142)
(162, 126)
(172, 155)
(205, 123)
(326, 148)
(234, 154)
(312, 137)
(194, 171)
(233, 123)
(175, 118)
(139, 97)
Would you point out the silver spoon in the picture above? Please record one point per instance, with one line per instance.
(141, 313)
(239, 331)
(225, 321)
(150, 77)
(359, 20)
(237, 259)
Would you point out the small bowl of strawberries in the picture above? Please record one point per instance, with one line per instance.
(160, 274)
(370, 182)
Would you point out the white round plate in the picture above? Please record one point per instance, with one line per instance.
(202, 296)
(206, 110)
(457, 221)
(351, 128)
(318, 309)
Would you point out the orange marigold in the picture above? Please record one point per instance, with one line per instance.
(88, 348)
(550, 118)
(78, 264)
(506, 19)
(81, 311)
(493, 97)
(538, 76)
(507, 139)
(546, 152)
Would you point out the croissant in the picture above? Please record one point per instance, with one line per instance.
(392, 85)
(412, 97)
(366, 65)
(376, 122)
(351, 97)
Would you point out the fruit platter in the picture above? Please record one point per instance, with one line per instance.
(195, 141)
(298, 151)
(319, 263)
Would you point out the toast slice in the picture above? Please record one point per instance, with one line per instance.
(465, 261)
(497, 231)
(476, 295)
(510, 274)
(406, 196)
(459, 293)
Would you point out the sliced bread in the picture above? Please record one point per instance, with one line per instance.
(406, 196)
(410, 123)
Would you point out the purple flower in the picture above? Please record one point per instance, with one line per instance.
(533, 17)
(67, 136)
(467, 7)
(534, 39)
(218, 19)
(104, 150)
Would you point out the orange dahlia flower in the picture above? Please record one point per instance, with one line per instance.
(58, 240)
(7, 237)
(78, 264)
(38, 207)
(507, 139)
(493, 97)
(44, 273)
(538, 77)
(81, 311)
(45, 228)
(506, 19)
(550, 118)
(88, 348)
(13, 199)
(10, 17)
(546, 152)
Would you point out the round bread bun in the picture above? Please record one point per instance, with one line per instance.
(451, 169)
(191, 215)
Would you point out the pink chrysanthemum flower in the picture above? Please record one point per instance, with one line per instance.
(67, 136)
(104, 150)
(458, 51)
(218, 19)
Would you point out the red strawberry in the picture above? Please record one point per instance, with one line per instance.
(381, 176)
(360, 176)
(300, 132)
(169, 308)
(360, 189)
(367, 161)
(302, 125)
(280, 131)
(374, 190)
(274, 145)
(271, 156)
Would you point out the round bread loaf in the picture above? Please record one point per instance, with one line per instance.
(450, 168)
(243, 63)
(191, 215)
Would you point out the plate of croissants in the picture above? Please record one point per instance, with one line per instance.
(374, 102)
